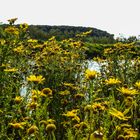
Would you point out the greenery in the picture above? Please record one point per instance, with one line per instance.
(48, 92)
(43, 32)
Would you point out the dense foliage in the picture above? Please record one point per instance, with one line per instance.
(43, 32)
(48, 92)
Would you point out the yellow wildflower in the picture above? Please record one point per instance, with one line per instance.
(43, 122)
(49, 121)
(71, 114)
(127, 91)
(50, 127)
(37, 79)
(79, 95)
(137, 84)
(52, 38)
(24, 26)
(130, 133)
(114, 112)
(76, 118)
(65, 92)
(108, 51)
(43, 95)
(112, 81)
(32, 41)
(121, 137)
(90, 74)
(18, 125)
(96, 135)
(12, 21)
(88, 108)
(36, 92)
(34, 98)
(128, 101)
(98, 107)
(19, 49)
(32, 105)
(127, 132)
(18, 99)
(125, 125)
(47, 91)
(12, 30)
(38, 46)
(5, 65)
(64, 101)
(32, 129)
(10, 70)
(83, 125)
(72, 86)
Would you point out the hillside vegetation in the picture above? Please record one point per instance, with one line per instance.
(43, 32)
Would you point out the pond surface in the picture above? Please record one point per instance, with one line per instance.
(93, 65)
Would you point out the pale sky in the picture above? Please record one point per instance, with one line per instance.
(114, 16)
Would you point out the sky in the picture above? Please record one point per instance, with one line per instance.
(118, 17)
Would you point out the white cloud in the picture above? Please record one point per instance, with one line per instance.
(114, 16)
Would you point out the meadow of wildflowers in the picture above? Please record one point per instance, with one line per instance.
(64, 100)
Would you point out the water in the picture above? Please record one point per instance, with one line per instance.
(93, 65)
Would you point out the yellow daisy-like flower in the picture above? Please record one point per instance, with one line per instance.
(18, 99)
(32, 129)
(71, 114)
(46, 122)
(83, 125)
(12, 21)
(32, 41)
(112, 81)
(65, 92)
(37, 79)
(10, 70)
(47, 91)
(130, 133)
(90, 74)
(19, 49)
(76, 118)
(79, 95)
(98, 106)
(18, 125)
(50, 127)
(137, 84)
(32, 105)
(72, 86)
(24, 26)
(97, 135)
(34, 98)
(36, 92)
(114, 112)
(127, 91)
(128, 101)
(12, 30)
